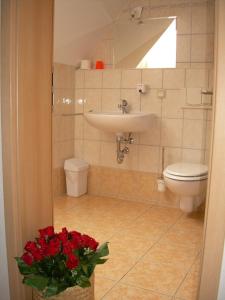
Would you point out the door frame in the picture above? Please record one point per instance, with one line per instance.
(26, 76)
(14, 200)
(214, 231)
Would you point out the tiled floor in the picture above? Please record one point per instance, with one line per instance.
(154, 251)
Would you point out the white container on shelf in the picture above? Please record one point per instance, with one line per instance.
(76, 176)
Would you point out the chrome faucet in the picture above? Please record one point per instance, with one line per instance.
(123, 106)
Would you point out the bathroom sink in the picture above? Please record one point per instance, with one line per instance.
(118, 122)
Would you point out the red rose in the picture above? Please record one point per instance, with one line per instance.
(63, 235)
(89, 242)
(27, 258)
(76, 239)
(42, 243)
(68, 247)
(34, 250)
(72, 262)
(37, 255)
(30, 246)
(47, 232)
(53, 247)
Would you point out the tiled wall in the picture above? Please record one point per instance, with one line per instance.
(195, 28)
(182, 123)
(182, 131)
(63, 126)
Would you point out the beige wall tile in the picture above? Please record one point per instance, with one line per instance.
(151, 103)
(148, 159)
(195, 114)
(90, 132)
(202, 18)
(183, 48)
(109, 185)
(93, 100)
(194, 134)
(110, 100)
(202, 48)
(63, 77)
(108, 154)
(93, 79)
(193, 156)
(183, 14)
(60, 107)
(64, 128)
(152, 136)
(133, 99)
(172, 156)
(111, 79)
(172, 132)
(61, 152)
(78, 148)
(194, 96)
(94, 180)
(79, 79)
(197, 78)
(79, 100)
(173, 79)
(130, 78)
(92, 152)
(131, 160)
(79, 127)
(152, 78)
(172, 104)
(108, 137)
(184, 65)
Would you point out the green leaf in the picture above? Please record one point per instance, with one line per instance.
(103, 250)
(24, 268)
(101, 261)
(36, 281)
(83, 281)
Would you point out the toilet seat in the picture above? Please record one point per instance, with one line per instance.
(186, 172)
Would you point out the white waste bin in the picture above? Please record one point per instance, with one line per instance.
(76, 176)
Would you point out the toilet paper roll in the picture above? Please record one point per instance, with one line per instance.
(85, 64)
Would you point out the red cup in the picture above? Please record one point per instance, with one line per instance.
(99, 65)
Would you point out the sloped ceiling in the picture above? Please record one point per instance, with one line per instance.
(78, 25)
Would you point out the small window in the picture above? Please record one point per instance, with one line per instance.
(163, 52)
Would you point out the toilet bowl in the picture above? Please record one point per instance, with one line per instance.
(189, 182)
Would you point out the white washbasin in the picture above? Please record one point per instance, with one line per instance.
(118, 122)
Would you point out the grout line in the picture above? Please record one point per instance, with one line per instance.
(140, 258)
(188, 272)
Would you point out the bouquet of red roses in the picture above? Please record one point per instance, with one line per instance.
(56, 261)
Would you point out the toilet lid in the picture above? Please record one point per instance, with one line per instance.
(187, 170)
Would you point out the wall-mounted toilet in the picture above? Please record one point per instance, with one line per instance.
(189, 182)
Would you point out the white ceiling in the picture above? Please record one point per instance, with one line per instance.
(78, 25)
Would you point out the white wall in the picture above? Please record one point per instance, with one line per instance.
(221, 295)
(4, 280)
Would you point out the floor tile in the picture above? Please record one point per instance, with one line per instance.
(160, 278)
(115, 268)
(189, 288)
(102, 286)
(125, 292)
(172, 253)
(151, 248)
(130, 246)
